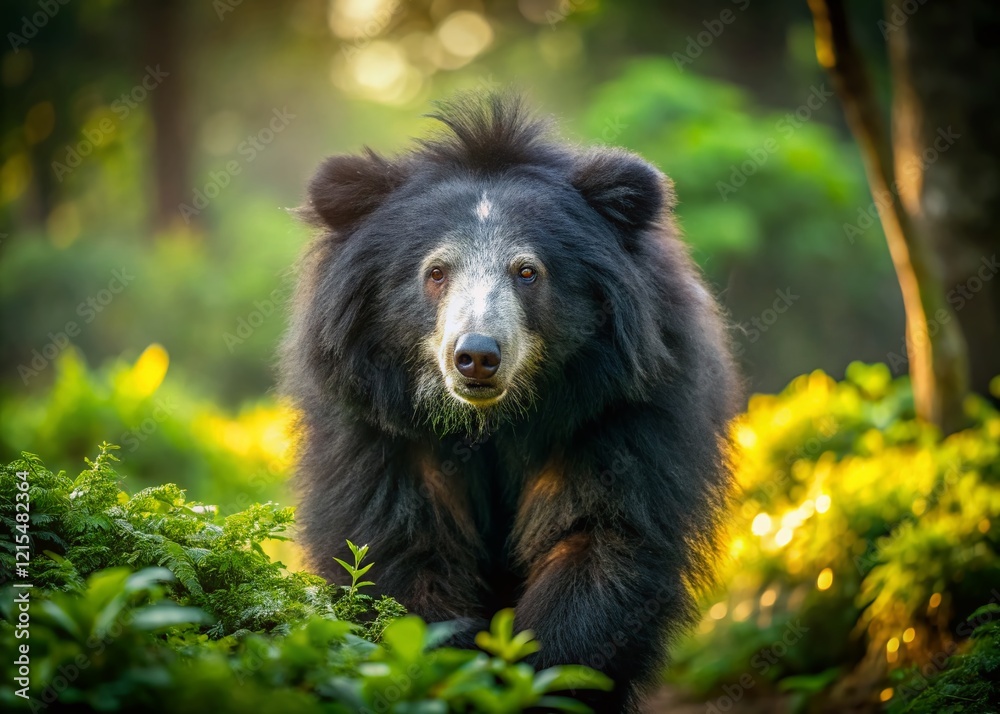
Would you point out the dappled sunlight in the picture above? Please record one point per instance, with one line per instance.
(395, 70)
(147, 374)
(260, 434)
(158, 229)
(852, 510)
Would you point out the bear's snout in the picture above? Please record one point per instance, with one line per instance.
(477, 356)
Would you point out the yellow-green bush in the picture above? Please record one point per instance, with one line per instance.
(166, 432)
(861, 541)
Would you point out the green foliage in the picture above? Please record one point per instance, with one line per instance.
(863, 539)
(764, 195)
(236, 284)
(968, 683)
(354, 606)
(84, 525)
(167, 434)
(701, 131)
(156, 603)
(356, 571)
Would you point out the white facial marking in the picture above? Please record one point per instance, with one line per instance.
(483, 209)
(479, 293)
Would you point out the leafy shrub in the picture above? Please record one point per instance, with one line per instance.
(210, 623)
(88, 524)
(166, 433)
(966, 683)
(862, 542)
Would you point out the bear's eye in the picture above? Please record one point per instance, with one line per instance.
(437, 275)
(527, 274)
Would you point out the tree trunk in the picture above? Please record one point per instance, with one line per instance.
(162, 32)
(934, 341)
(946, 69)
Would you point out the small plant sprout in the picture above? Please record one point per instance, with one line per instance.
(501, 641)
(356, 571)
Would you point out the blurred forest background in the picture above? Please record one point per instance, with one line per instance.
(151, 152)
(341, 75)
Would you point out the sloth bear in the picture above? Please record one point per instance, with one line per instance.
(515, 387)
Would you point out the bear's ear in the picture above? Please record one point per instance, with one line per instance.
(347, 188)
(623, 188)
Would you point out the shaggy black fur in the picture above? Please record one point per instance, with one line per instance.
(593, 511)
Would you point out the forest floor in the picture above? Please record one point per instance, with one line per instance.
(669, 700)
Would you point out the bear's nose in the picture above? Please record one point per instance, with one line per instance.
(477, 356)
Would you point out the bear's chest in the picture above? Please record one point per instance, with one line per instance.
(482, 491)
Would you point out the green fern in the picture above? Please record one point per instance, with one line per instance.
(81, 526)
(208, 623)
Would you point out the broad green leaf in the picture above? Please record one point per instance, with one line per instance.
(54, 610)
(564, 704)
(154, 617)
(571, 676)
(146, 578)
(405, 637)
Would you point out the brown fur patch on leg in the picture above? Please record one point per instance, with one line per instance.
(567, 554)
(448, 496)
(546, 484)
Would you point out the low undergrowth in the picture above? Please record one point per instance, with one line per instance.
(151, 602)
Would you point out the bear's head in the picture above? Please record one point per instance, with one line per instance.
(487, 274)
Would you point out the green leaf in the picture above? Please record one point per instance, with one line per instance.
(564, 704)
(146, 578)
(405, 637)
(502, 627)
(154, 617)
(361, 571)
(571, 676)
(65, 620)
(425, 707)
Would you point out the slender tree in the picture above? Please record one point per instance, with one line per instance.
(946, 68)
(935, 344)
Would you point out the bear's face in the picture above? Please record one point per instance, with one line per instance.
(465, 298)
(486, 290)
(483, 277)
